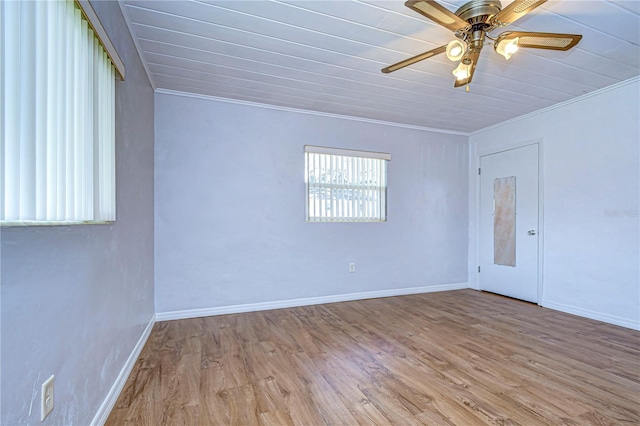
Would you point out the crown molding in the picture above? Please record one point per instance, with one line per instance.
(136, 43)
(401, 125)
(309, 112)
(615, 86)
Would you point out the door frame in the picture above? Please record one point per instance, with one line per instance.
(495, 150)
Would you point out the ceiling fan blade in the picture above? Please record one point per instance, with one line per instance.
(473, 56)
(515, 10)
(551, 41)
(414, 59)
(438, 13)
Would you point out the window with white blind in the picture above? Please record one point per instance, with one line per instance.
(345, 185)
(57, 121)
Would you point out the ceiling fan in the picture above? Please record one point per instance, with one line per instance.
(471, 25)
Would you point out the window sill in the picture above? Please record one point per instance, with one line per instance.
(345, 221)
(14, 223)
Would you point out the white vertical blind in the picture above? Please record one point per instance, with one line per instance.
(57, 118)
(345, 188)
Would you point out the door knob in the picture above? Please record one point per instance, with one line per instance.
(532, 232)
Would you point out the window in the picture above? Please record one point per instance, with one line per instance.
(345, 185)
(57, 117)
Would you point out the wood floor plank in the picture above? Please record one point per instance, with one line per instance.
(276, 418)
(452, 358)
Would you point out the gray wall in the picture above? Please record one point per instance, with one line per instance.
(76, 299)
(230, 197)
(591, 174)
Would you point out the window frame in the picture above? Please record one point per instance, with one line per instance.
(360, 163)
(97, 168)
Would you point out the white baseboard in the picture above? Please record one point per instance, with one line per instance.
(292, 303)
(610, 319)
(105, 409)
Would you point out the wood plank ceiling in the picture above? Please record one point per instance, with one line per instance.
(326, 56)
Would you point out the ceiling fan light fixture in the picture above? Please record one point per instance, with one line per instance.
(506, 46)
(471, 25)
(462, 72)
(455, 50)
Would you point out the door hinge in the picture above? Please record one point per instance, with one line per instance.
(478, 170)
(478, 269)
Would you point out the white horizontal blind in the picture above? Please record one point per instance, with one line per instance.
(57, 120)
(345, 188)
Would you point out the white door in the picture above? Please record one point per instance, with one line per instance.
(509, 223)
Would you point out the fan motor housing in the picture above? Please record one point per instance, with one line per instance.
(479, 12)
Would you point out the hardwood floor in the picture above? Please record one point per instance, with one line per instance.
(452, 358)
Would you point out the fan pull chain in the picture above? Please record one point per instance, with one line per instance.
(467, 89)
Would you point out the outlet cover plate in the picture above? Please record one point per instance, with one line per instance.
(46, 401)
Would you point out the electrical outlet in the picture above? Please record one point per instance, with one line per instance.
(46, 402)
(352, 267)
